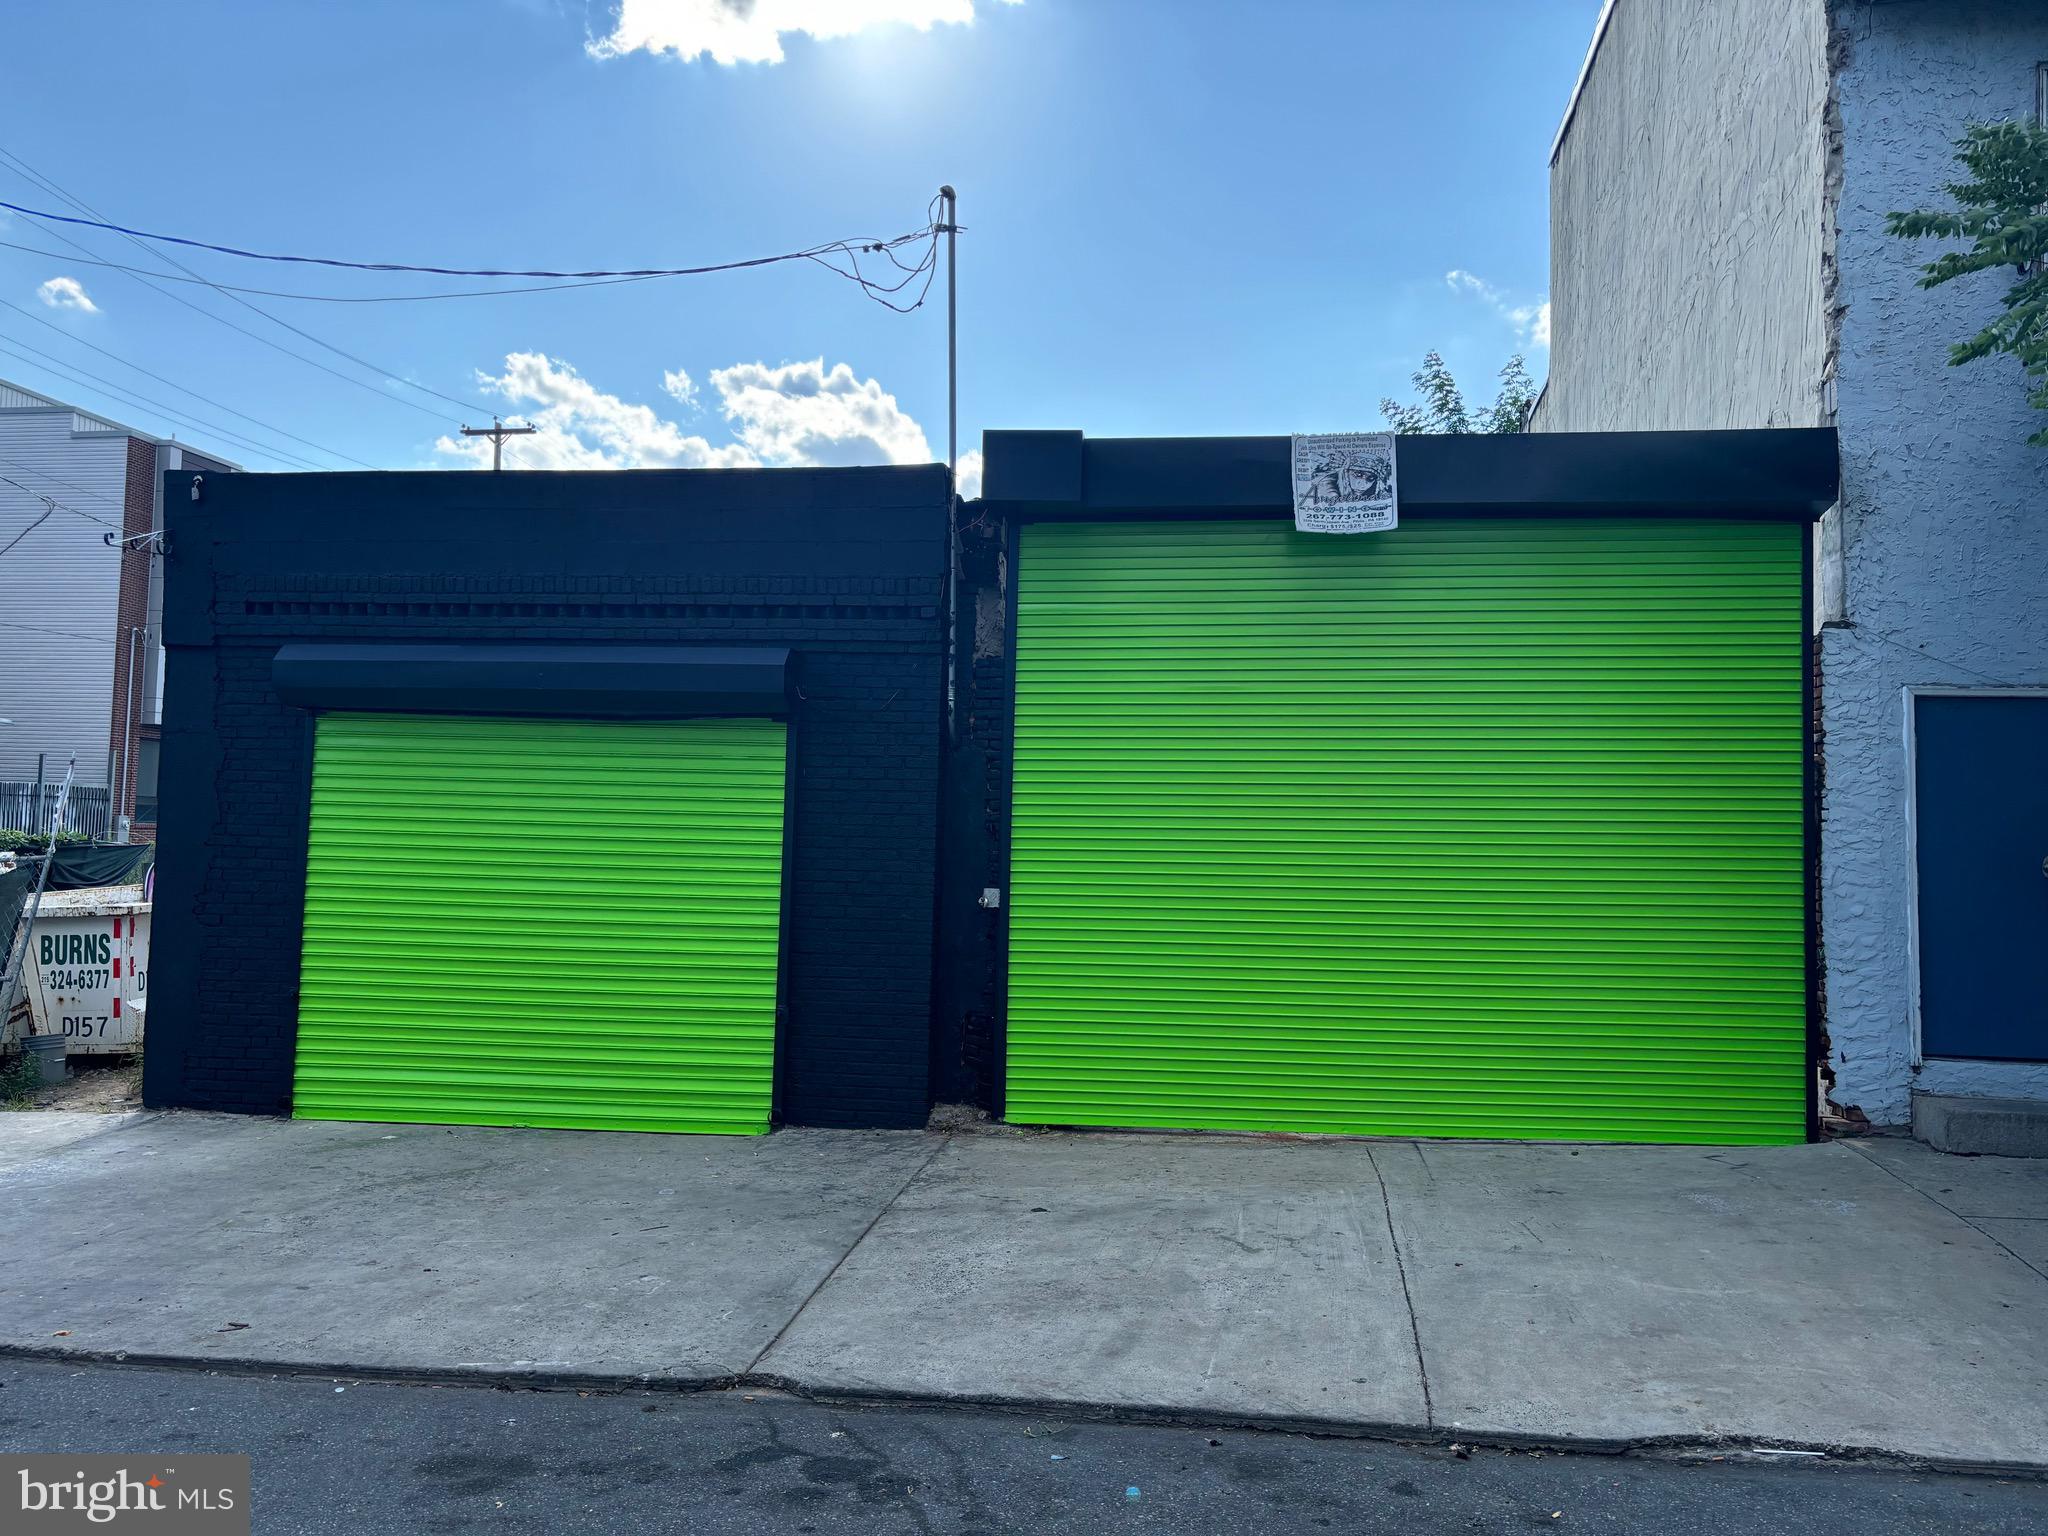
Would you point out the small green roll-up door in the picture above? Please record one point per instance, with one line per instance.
(542, 922)
(1478, 827)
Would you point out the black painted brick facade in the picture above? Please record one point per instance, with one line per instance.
(970, 1000)
(845, 566)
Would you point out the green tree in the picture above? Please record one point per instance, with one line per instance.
(1442, 407)
(2002, 209)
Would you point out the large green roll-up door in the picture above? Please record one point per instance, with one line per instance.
(542, 922)
(1473, 828)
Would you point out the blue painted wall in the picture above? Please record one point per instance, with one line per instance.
(1945, 507)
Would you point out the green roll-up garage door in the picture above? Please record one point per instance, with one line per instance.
(542, 922)
(1480, 827)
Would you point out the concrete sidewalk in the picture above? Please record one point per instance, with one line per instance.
(1873, 1296)
(26, 1137)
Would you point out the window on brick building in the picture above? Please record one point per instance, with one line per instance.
(145, 778)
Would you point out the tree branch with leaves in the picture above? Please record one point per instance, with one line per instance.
(2002, 209)
(1442, 407)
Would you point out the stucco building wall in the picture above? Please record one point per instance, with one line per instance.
(1944, 517)
(1687, 228)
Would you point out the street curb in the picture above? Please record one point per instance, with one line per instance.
(1678, 1447)
(508, 1378)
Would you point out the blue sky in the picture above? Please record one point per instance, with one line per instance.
(1181, 216)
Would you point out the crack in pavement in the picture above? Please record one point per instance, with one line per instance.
(1407, 1299)
(1989, 1237)
(804, 1305)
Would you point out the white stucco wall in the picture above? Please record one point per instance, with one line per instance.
(1944, 509)
(1687, 222)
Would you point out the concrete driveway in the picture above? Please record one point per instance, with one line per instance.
(1860, 1295)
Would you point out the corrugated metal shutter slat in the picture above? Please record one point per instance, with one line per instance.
(542, 922)
(1477, 828)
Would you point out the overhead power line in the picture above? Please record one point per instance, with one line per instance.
(69, 634)
(497, 432)
(51, 502)
(146, 402)
(69, 485)
(152, 282)
(333, 453)
(870, 286)
(828, 254)
(848, 247)
(127, 543)
(36, 178)
(321, 298)
(49, 511)
(72, 373)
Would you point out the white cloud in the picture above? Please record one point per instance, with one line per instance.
(751, 31)
(967, 479)
(582, 427)
(67, 293)
(805, 413)
(1531, 322)
(795, 413)
(1458, 280)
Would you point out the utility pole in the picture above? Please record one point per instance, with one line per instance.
(497, 432)
(951, 230)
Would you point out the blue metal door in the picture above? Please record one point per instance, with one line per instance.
(1981, 832)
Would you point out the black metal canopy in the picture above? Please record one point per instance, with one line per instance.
(1787, 473)
(596, 679)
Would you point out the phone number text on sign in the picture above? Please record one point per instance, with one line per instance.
(91, 953)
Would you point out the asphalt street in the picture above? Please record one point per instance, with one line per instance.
(349, 1456)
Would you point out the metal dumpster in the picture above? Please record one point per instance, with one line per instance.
(88, 969)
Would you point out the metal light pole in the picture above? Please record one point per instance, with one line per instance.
(951, 229)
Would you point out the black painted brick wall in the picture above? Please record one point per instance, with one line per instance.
(846, 566)
(970, 999)
(989, 729)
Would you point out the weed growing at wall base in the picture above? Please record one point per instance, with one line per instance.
(20, 1077)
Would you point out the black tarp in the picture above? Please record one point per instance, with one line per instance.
(15, 885)
(82, 865)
